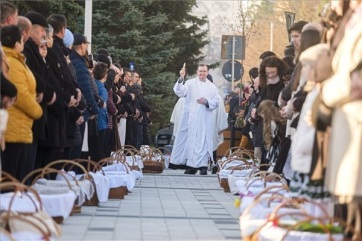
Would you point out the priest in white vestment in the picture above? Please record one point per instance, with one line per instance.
(194, 140)
(176, 115)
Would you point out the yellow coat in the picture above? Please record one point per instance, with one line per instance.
(25, 109)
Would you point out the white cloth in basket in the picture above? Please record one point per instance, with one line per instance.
(102, 185)
(58, 205)
(120, 178)
(229, 165)
(121, 175)
(272, 233)
(137, 161)
(256, 186)
(225, 173)
(85, 190)
(22, 202)
(253, 220)
(23, 236)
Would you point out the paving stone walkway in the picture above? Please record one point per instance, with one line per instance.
(167, 206)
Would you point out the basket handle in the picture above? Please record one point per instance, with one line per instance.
(262, 175)
(268, 189)
(242, 153)
(130, 147)
(156, 152)
(274, 196)
(231, 150)
(249, 166)
(231, 159)
(110, 160)
(43, 171)
(20, 187)
(92, 166)
(123, 157)
(107, 161)
(7, 234)
(46, 235)
(69, 162)
(308, 218)
(164, 150)
(125, 150)
(257, 168)
(7, 177)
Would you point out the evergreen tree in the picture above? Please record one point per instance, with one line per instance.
(159, 36)
(73, 10)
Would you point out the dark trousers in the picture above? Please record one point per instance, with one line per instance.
(47, 155)
(139, 136)
(17, 160)
(129, 131)
(146, 136)
(263, 158)
(109, 142)
(104, 136)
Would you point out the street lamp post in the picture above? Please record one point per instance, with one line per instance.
(88, 22)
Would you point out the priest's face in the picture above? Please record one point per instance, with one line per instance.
(202, 72)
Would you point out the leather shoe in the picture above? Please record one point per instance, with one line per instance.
(203, 170)
(214, 170)
(190, 171)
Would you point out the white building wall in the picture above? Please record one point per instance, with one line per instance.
(214, 10)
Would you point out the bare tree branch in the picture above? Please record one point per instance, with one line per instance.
(244, 24)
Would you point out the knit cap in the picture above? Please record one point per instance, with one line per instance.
(68, 38)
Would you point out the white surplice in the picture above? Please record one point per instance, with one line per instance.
(194, 140)
(176, 115)
(220, 124)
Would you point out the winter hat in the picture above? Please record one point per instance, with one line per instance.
(37, 18)
(79, 39)
(68, 38)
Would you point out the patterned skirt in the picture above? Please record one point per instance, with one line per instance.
(302, 186)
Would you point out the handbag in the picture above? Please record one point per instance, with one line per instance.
(239, 113)
(239, 122)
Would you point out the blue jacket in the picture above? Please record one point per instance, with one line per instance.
(83, 78)
(102, 114)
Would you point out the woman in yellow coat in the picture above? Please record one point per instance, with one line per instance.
(18, 135)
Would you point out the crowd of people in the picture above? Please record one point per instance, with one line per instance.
(304, 117)
(300, 113)
(58, 101)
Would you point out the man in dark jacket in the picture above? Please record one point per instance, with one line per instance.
(45, 92)
(77, 57)
(69, 89)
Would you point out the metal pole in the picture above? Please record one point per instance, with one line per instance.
(88, 22)
(232, 134)
(233, 65)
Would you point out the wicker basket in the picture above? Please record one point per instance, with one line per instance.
(58, 220)
(118, 192)
(125, 151)
(224, 183)
(152, 167)
(244, 165)
(91, 166)
(153, 162)
(37, 220)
